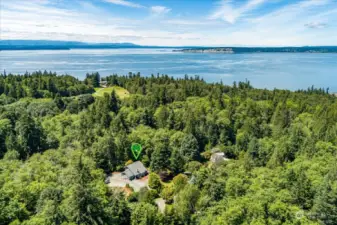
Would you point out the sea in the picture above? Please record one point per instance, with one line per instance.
(264, 70)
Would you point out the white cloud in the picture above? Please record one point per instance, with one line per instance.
(88, 24)
(38, 21)
(189, 22)
(160, 10)
(315, 25)
(294, 11)
(125, 3)
(229, 13)
(85, 21)
(284, 26)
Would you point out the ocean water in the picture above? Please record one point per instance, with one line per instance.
(264, 70)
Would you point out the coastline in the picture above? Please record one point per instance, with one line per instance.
(236, 50)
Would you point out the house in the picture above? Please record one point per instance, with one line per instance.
(103, 83)
(135, 170)
(218, 157)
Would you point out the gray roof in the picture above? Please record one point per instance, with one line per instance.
(136, 168)
(128, 173)
(218, 157)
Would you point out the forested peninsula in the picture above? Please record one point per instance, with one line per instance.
(61, 137)
(231, 50)
(12, 45)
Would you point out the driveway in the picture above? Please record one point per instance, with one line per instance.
(116, 180)
(161, 204)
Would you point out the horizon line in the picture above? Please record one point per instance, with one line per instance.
(173, 46)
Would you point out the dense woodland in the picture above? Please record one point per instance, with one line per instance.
(58, 142)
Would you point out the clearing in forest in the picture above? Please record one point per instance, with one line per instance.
(121, 92)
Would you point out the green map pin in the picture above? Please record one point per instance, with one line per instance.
(136, 149)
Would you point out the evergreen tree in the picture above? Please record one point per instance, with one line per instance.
(114, 102)
(82, 205)
(302, 191)
(160, 157)
(30, 136)
(189, 148)
(325, 203)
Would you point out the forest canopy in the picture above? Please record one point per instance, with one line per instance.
(58, 143)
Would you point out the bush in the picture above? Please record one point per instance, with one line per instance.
(193, 166)
(167, 193)
(179, 182)
(154, 182)
(133, 197)
(146, 195)
(128, 162)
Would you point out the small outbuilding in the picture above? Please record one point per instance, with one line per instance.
(135, 170)
(103, 83)
(218, 157)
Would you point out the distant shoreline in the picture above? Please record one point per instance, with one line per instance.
(14, 45)
(218, 50)
(37, 48)
(234, 50)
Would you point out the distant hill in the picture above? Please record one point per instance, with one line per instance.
(58, 45)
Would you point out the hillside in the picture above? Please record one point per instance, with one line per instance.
(59, 142)
(58, 45)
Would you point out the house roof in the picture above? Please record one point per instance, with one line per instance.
(128, 173)
(136, 168)
(219, 156)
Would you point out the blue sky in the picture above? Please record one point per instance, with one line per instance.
(173, 22)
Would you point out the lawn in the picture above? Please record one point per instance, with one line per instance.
(38, 100)
(121, 92)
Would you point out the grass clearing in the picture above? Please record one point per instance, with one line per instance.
(38, 100)
(121, 92)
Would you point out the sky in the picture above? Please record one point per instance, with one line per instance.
(173, 22)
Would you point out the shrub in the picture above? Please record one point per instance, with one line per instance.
(154, 182)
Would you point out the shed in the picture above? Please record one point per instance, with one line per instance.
(218, 157)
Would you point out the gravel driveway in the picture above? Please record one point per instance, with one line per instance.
(161, 204)
(116, 180)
